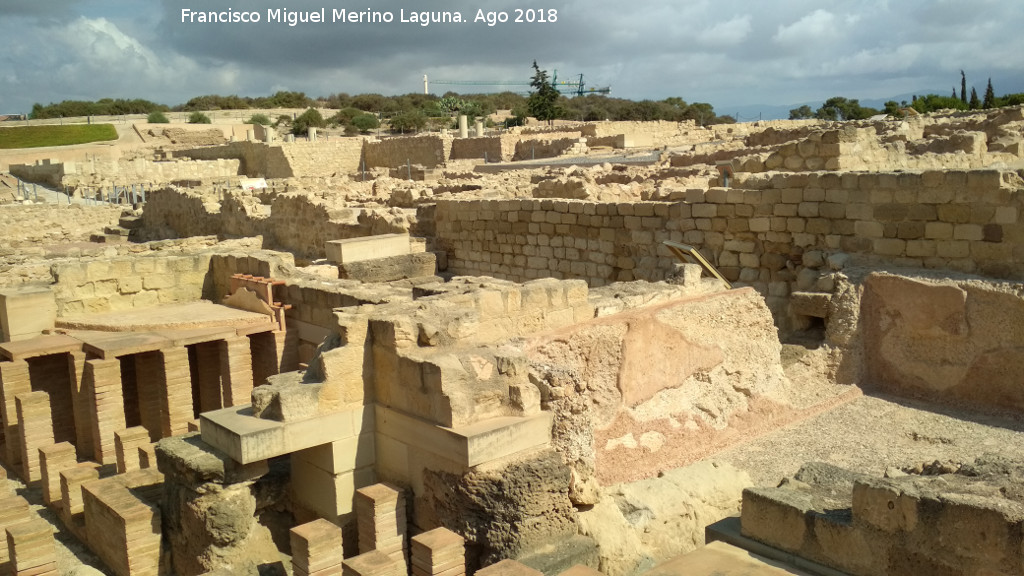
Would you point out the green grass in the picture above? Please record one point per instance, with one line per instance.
(39, 136)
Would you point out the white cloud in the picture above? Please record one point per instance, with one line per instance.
(816, 26)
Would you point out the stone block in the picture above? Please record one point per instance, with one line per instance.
(25, 311)
(367, 248)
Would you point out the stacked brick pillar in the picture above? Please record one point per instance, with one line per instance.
(36, 431)
(236, 370)
(14, 380)
(102, 379)
(316, 549)
(439, 552)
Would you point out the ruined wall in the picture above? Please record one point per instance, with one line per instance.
(625, 388)
(756, 233)
(24, 226)
(258, 160)
(494, 148)
(427, 151)
(296, 222)
(104, 285)
(42, 172)
(950, 340)
(324, 158)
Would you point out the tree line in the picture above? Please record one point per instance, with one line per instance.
(840, 108)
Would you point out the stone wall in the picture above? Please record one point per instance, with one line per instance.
(24, 226)
(756, 233)
(427, 151)
(104, 285)
(288, 159)
(44, 172)
(296, 222)
(950, 340)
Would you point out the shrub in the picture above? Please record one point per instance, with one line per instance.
(157, 118)
(261, 119)
(308, 119)
(365, 122)
(198, 118)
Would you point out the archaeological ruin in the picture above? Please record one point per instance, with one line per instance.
(618, 348)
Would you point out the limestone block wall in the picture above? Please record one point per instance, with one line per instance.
(756, 233)
(494, 148)
(297, 222)
(548, 147)
(99, 172)
(104, 285)
(24, 226)
(258, 160)
(42, 172)
(428, 151)
(949, 340)
(324, 158)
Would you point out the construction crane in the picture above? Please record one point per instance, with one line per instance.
(575, 88)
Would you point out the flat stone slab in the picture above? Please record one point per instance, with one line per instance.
(721, 559)
(183, 316)
(39, 346)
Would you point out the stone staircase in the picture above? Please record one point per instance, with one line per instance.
(126, 230)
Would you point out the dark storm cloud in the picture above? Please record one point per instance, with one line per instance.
(727, 52)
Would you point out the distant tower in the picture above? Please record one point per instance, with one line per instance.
(426, 87)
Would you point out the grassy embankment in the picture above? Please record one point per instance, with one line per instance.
(40, 136)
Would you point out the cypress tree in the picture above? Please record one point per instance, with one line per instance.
(975, 102)
(963, 87)
(990, 96)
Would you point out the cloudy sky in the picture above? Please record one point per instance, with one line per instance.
(731, 53)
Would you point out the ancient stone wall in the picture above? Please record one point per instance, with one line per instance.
(104, 285)
(336, 157)
(42, 172)
(950, 340)
(756, 233)
(297, 222)
(427, 151)
(493, 148)
(22, 226)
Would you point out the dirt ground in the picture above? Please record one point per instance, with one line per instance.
(871, 432)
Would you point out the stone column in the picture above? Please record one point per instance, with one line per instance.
(479, 129)
(439, 552)
(36, 427)
(236, 370)
(127, 443)
(101, 381)
(312, 134)
(14, 380)
(250, 135)
(380, 514)
(463, 126)
(176, 402)
(52, 461)
(82, 406)
(316, 548)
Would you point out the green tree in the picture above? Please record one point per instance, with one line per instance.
(975, 102)
(365, 122)
(157, 118)
(839, 108)
(261, 119)
(198, 118)
(543, 101)
(309, 119)
(801, 113)
(933, 102)
(990, 96)
(408, 121)
(963, 87)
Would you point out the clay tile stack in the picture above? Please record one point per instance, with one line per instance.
(508, 568)
(14, 510)
(439, 552)
(31, 548)
(316, 549)
(380, 513)
(375, 563)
